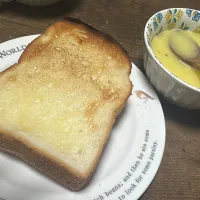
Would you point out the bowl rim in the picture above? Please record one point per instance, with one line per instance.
(149, 49)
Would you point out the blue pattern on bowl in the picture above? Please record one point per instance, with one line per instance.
(194, 14)
(173, 19)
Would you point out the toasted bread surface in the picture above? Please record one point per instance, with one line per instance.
(59, 102)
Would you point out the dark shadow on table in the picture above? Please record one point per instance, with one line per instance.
(58, 9)
(188, 117)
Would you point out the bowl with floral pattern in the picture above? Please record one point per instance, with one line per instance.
(166, 83)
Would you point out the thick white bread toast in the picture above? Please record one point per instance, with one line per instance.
(59, 103)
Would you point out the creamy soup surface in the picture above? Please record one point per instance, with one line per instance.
(170, 61)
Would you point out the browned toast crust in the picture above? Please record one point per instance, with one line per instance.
(30, 154)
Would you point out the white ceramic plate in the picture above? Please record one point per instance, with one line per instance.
(129, 162)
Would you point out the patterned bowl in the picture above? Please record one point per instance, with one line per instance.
(166, 83)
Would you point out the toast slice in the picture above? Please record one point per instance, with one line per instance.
(58, 104)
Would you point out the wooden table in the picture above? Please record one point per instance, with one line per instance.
(179, 175)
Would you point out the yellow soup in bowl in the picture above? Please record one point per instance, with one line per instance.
(181, 69)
